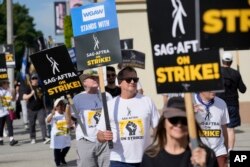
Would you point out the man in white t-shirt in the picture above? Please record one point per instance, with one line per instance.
(90, 152)
(131, 116)
(212, 115)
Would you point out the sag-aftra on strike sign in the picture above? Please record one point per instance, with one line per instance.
(96, 34)
(178, 65)
(56, 71)
(191, 72)
(225, 24)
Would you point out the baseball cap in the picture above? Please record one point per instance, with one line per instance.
(227, 56)
(175, 108)
(58, 100)
(88, 73)
(34, 75)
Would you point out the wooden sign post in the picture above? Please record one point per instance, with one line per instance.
(104, 103)
(28, 81)
(70, 100)
(192, 130)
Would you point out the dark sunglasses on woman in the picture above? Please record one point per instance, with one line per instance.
(176, 120)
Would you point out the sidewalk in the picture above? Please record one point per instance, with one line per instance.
(40, 155)
(25, 154)
(243, 138)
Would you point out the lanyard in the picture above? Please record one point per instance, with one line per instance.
(207, 106)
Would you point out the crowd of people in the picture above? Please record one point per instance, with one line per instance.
(139, 135)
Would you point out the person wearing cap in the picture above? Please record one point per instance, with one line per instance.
(132, 116)
(60, 136)
(89, 105)
(171, 145)
(34, 95)
(212, 116)
(233, 83)
(6, 96)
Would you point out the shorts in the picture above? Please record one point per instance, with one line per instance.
(234, 116)
(222, 161)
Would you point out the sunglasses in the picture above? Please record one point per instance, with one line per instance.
(176, 120)
(128, 80)
(110, 75)
(34, 78)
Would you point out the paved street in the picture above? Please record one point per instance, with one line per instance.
(243, 137)
(40, 155)
(25, 154)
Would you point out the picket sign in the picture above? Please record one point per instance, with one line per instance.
(91, 33)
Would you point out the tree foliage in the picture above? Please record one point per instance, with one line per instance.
(68, 32)
(24, 33)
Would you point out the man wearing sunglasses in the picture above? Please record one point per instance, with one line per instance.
(212, 115)
(34, 96)
(111, 86)
(131, 115)
(140, 90)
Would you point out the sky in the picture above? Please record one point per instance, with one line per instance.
(43, 13)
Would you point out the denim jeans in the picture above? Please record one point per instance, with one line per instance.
(123, 164)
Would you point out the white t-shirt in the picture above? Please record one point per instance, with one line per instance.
(212, 128)
(60, 136)
(89, 107)
(5, 101)
(130, 121)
